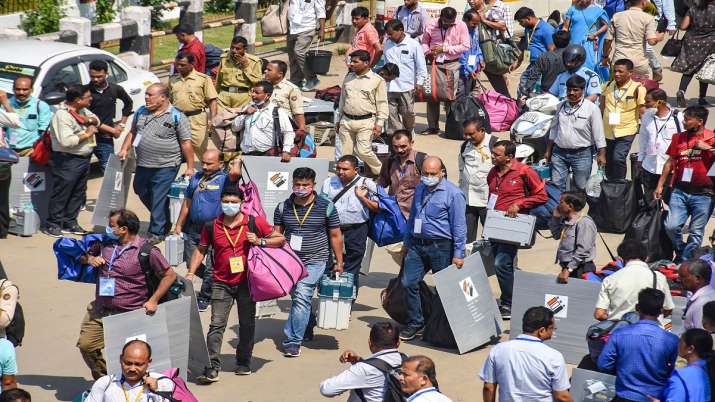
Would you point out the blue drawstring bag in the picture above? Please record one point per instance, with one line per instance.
(68, 251)
(604, 72)
(389, 225)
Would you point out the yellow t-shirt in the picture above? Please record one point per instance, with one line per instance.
(620, 115)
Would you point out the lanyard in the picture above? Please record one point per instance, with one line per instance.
(305, 217)
(126, 394)
(231, 241)
(573, 109)
(655, 123)
(529, 340)
(115, 255)
(425, 201)
(625, 91)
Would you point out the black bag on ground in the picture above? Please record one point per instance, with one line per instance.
(616, 208)
(437, 331)
(462, 109)
(393, 299)
(648, 228)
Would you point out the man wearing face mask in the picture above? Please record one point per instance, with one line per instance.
(309, 222)
(436, 237)
(690, 155)
(256, 125)
(237, 73)
(231, 235)
(121, 284)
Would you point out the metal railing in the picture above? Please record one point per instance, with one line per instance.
(15, 6)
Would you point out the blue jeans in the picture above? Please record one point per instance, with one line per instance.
(617, 157)
(192, 233)
(504, 266)
(420, 259)
(699, 207)
(578, 161)
(152, 186)
(102, 152)
(302, 296)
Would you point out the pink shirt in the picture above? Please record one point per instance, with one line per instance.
(455, 39)
(365, 39)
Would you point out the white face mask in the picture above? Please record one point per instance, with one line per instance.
(230, 209)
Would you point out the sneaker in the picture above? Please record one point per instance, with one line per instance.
(75, 229)
(52, 231)
(658, 75)
(310, 85)
(154, 239)
(242, 369)
(291, 351)
(409, 333)
(505, 312)
(203, 304)
(430, 131)
(210, 376)
(680, 96)
(704, 102)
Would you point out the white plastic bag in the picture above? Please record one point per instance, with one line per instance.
(593, 185)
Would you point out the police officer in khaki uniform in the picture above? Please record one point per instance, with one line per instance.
(237, 74)
(286, 95)
(191, 92)
(362, 111)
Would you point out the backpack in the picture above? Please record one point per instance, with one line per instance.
(304, 146)
(213, 56)
(151, 278)
(181, 392)
(462, 109)
(67, 251)
(545, 211)
(15, 331)
(598, 333)
(388, 226)
(393, 389)
(175, 114)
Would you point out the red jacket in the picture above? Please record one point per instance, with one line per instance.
(520, 185)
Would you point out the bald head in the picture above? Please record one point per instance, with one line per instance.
(156, 97)
(432, 171)
(135, 359)
(211, 162)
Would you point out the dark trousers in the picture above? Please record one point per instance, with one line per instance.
(152, 185)
(354, 240)
(102, 151)
(504, 266)
(422, 257)
(222, 298)
(617, 157)
(702, 86)
(498, 83)
(4, 200)
(649, 182)
(474, 213)
(69, 188)
(192, 233)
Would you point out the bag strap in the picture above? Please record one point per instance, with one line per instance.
(654, 279)
(685, 386)
(145, 264)
(345, 189)
(277, 139)
(610, 253)
(420, 160)
(677, 122)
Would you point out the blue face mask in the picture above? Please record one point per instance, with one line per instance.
(110, 233)
(430, 181)
(230, 209)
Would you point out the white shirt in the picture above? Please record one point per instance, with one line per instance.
(654, 138)
(410, 58)
(474, 166)
(525, 370)
(619, 291)
(362, 376)
(694, 312)
(258, 129)
(350, 209)
(428, 395)
(303, 15)
(109, 389)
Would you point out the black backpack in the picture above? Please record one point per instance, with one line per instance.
(152, 279)
(16, 330)
(393, 389)
(462, 109)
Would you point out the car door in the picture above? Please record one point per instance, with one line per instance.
(58, 77)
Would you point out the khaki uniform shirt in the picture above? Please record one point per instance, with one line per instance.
(231, 75)
(364, 94)
(288, 97)
(8, 302)
(629, 31)
(191, 93)
(65, 132)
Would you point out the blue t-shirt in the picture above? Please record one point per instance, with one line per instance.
(541, 38)
(8, 363)
(593, 83)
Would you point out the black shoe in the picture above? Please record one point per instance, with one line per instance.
(430, 131)
(680, 99)
(309, 334)
(203, 304)
(242, 369)
(52, 231)
(505, 312)
(210, 376)
(154, 239)
(409, 333)
(704, 102)
(75, 229)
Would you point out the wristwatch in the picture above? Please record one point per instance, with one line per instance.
(263, 242)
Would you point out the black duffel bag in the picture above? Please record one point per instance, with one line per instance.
(616, 208)
(648, 228)
(393, 298)
(465, 108)
(437, 331)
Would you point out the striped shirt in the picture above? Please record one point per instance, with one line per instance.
(317, 218)
(158, 146)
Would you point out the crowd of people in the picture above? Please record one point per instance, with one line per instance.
(599, 116)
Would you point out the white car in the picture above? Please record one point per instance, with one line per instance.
(55, 65)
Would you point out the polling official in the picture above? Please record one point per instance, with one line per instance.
(435, 238)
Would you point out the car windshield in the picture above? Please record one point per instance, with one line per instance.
(10, 71)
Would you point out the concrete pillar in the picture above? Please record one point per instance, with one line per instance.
(246, 10)
(88, 9)
(141, 42)
(194, 17)
(81, 25)
(12, 33)
(70, 8)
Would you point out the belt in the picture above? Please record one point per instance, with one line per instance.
(447, 61)
(234, 90)
(428, 242)
(351, 226)
(358, 117)
(579, 149)
(193, 112)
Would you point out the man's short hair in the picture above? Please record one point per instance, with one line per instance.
(575, 199)
(448, 14)
(362, 55)
(632, 250)
(265, 85)
(304, 173)
(75, 91)
(698, 112)
(391, 69)
(232, 191)
(126, 218)
(360, 12)
(385, 335)
(186, 55)
(139, 341)
(15, 395)
(477, 123)
(523, 13)
(22, 77)
(99, 65)
(281, 65)
(535, 318)
(351, 159)
(468, 15)
(561, 39)
(509, 147)
(425, 366)
(576, 81)
(700, 269)
(239, 39)
(650, 302)
(395, 25)
(401, 133)
(709, 311)
(184, 29)
(624, 62)
(657, 94)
